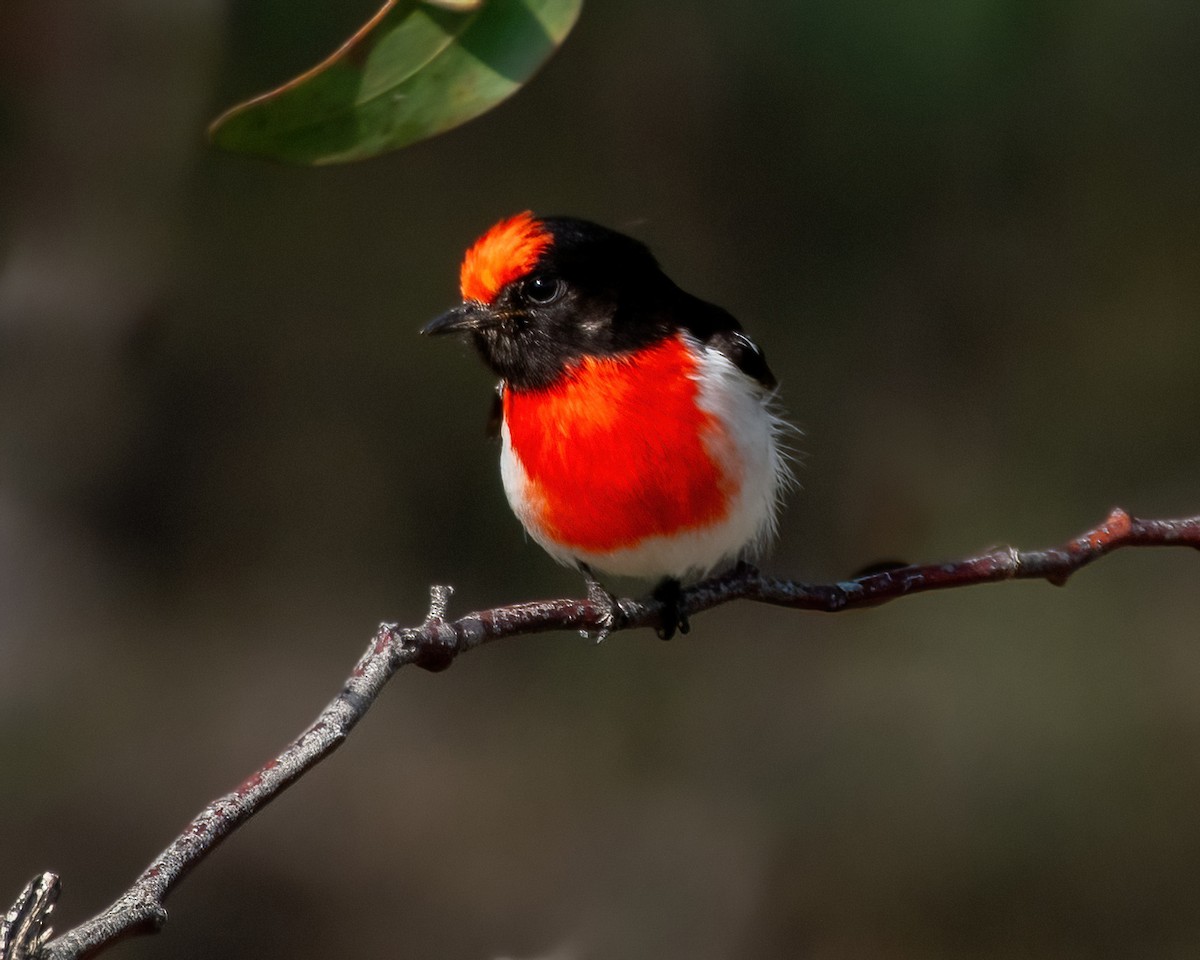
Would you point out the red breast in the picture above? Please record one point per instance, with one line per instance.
(618, 450)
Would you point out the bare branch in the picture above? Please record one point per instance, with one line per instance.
(436, 642)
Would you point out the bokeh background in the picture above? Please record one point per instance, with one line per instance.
(967, 234)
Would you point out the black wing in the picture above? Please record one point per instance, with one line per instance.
(718, 329)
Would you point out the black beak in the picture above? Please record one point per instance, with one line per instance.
(462, 319)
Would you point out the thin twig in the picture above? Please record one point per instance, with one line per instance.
(436, 642)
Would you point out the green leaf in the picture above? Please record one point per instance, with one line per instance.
(414, 70)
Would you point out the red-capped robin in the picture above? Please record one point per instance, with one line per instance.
(638, 432)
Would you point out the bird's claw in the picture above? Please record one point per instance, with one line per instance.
(613, 615)
(669, 594)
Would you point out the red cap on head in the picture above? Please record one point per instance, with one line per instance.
(507, 251)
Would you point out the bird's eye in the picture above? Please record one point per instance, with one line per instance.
(542, 288)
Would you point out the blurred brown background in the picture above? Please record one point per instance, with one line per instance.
(968, 236)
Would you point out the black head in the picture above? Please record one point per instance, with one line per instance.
(539, 293)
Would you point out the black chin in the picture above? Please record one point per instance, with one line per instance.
(517, 362)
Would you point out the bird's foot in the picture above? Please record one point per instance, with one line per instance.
(612, 614)
(669, 594)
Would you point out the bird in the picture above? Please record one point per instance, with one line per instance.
(639, 425)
